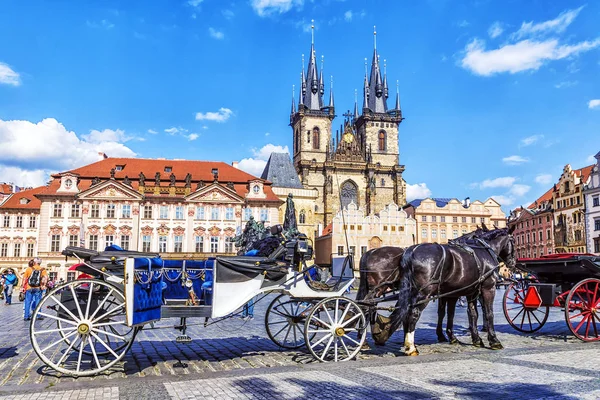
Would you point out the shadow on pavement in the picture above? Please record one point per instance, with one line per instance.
(8, 352)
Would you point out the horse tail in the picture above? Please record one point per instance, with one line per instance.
(363, 270)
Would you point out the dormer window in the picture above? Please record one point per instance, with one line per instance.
(168, 169)
(256, 189)
(24, 200)
(119, 167)
(68, 184)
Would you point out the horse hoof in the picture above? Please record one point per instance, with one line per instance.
(496, 346)
(454, 341)
(365, 347)
(413, 353)
(479, 344)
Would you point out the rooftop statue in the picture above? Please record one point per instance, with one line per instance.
(290, 226)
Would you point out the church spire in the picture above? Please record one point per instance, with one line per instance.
(331, 93)
(312, 89)
(365, 89)
(293, 100)
(355, 104)
(397, 108)
(377, 92)
(303, 85)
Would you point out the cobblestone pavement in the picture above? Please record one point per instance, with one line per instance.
(230, 359)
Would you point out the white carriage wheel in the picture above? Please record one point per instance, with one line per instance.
(335, 329)
(284, 321)
(92, 335)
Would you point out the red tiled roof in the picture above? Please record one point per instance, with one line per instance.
(5, 188)
(584, 172)
(543, 198)
(328, 229)
(14, 201)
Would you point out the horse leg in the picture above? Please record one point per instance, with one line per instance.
(409, 337)
(441, 310)
(450, 322)
(488, 316)
(485, 323)
(472, 314)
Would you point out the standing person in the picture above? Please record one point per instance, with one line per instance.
(34, 280)
(248, 310)
(10, 281)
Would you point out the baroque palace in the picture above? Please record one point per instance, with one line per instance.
(181, 209)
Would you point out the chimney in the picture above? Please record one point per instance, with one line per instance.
(234, 164)
(467, 202)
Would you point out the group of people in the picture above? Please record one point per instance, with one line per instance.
(35, 282)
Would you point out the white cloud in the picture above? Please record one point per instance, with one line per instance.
(8, 76)
(152, 131)
(519, 190)
(220, 116)
(228, 14)
(255, 165)
(590, 160)
(528, 141)
(194, 3)
(504, 200)
(267, 133)
(521, 56)
(505, 181)
(36, 148)
(515, 160)
(566, 84)
(105, 24)
(594, 104)
(193, 136)
(215, 34)
(495, 30)
(172, 131)
(23, 177)
(348, 16)
(463, 24)
(557, 25)
(417, 191)
(265, 8)
(544, 179)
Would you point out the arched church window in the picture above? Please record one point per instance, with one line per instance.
(308, 136)
(349, 193)
(381, 141)
(297, 141)
(316, 134)
(302, 217)
(382, 182)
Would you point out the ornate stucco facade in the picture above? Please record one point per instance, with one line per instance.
(441, 219)
(534, 228)
(360, 163)
(592, 209)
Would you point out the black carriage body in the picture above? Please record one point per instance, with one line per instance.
(562, 270)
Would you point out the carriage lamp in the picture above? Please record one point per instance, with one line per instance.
(188, 283)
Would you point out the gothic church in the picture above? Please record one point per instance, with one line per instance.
(360, 163)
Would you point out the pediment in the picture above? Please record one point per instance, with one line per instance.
(215, 193)
(110, 190)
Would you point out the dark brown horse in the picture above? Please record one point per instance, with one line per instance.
(429, 270)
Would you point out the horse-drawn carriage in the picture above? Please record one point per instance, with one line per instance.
(568, 281)
(86, 326)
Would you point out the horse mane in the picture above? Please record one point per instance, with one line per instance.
(493, 234)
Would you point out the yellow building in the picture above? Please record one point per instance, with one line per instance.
(440, 219)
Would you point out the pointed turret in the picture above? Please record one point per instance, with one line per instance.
(355, 105)
(397, 107)
(377, 93)
(321, 84)
(293, 101)
(385, 84)
(313, 96)
(331, 105)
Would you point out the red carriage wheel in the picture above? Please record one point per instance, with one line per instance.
(522, 318)
(582, 310)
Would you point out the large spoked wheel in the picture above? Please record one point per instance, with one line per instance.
(522, 318)
(285, 319)
(335, 329)
(80, 328)
(582, 310)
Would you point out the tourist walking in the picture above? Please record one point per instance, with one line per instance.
(34, 281)
(10, 281)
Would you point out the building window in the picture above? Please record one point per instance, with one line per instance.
(385, 228)
(19, 221)
(473, 220)
(578, 235)
(70, 276)
(57, 211)
(110, 210)
(30, 249)
(596, 245)
(75, 210)
(597, 224)
(547, 234)
(146, 242)
(6, 222)
(178, 244)
(264, 214)
(228, 247)
(126, 211)
(93, 245)
(363, 250)
(73, 240)
(454, 233)
(163, 212)
(464, 231)
(4, 250)
(382, 182)
(340, 250)
(214, 244)
(229, 213)
(352, 249)
(596, 201)
(433, 218)
(200, 212)
(454, 219)
(247, 213)
(442, 233)
(162, 244)
(424, 233)
(95, 211)
(316, 137)
(178, 212)
(434, 233)
(147, 212)
(214, 213)
(424, 218)
(199, 244)
(17, 250)
(349, 194)
(32, 222)
(125, 242)
(464, 219)
(302, 217)
(442, 219)
(381, 141)
(109, 240)
(55, 243)
(541, 236)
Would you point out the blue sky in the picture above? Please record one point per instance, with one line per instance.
(498, 95)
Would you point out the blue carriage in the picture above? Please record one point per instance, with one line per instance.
(86, 326)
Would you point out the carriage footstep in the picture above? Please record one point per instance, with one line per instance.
(183, 339)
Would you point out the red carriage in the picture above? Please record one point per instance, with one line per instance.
(569, 281)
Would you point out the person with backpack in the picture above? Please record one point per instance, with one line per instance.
(10, 281)
(34, 281)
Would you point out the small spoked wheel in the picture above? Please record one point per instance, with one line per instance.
(80, 328)
(522, 318)
(285, 319)
(335, 329)
(582, 310)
